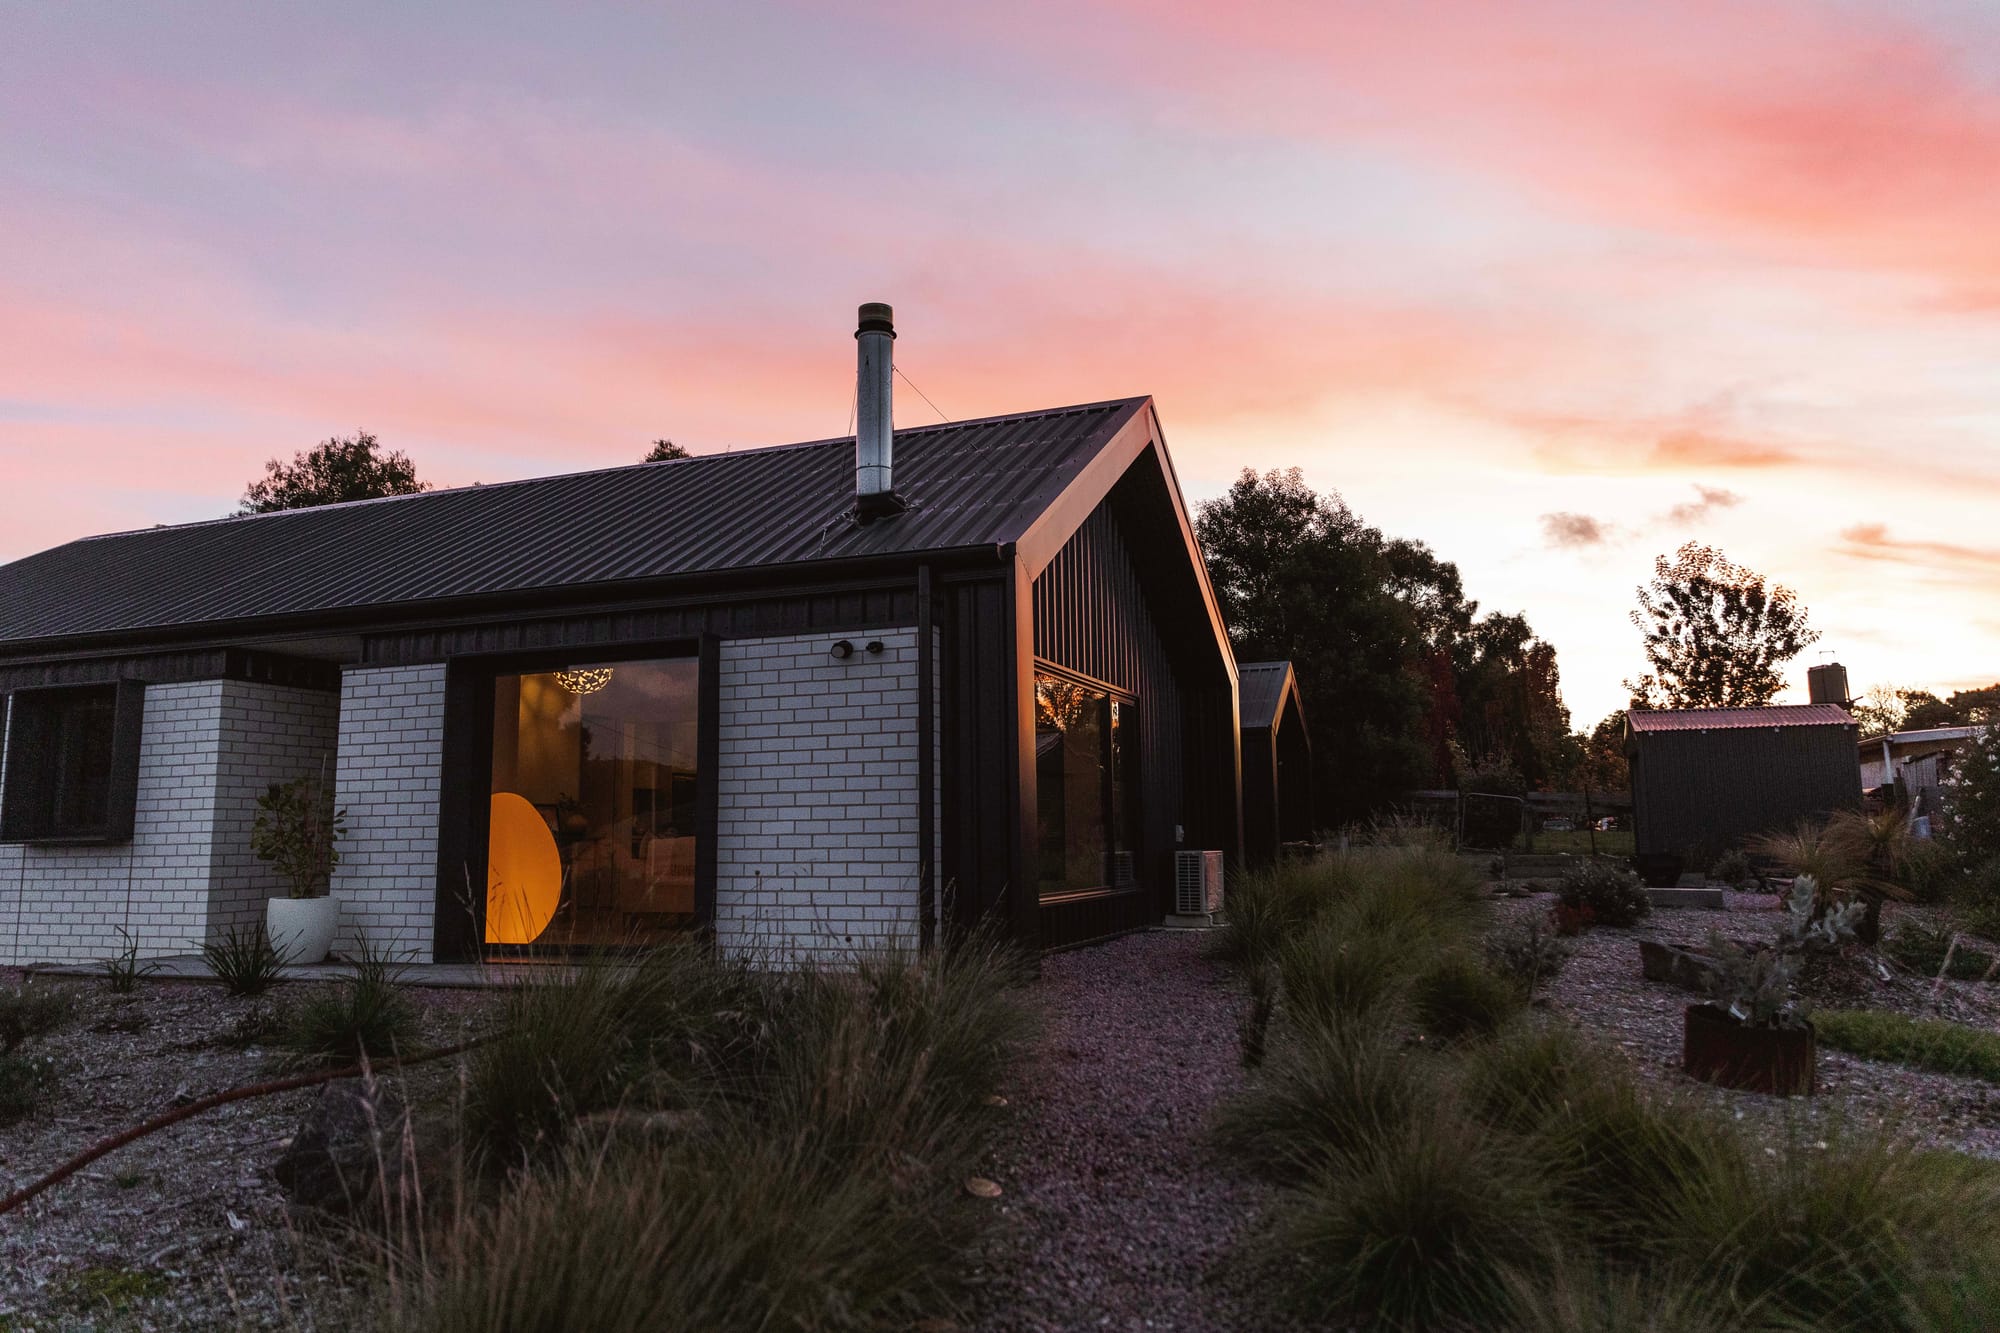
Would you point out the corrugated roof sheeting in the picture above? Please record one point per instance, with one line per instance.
(1713, 719)
(1260, 690)
(969, 484)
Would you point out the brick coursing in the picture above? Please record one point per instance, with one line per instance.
(391, 751)
(816, 847)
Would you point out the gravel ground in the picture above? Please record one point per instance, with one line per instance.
(182, 1230)
(1603, 990)
(1117, 1213)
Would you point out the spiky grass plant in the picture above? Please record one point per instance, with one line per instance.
(1459, 998)
(1419, 1225)
(1328, 1090)
(243, 960)
(363, 1016)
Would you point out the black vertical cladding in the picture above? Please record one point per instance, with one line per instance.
(976, 735)
(1092, 616)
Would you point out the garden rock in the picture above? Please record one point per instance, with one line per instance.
(1676, 967)
(350, 1152)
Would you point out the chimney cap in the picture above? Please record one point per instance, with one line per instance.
(877, 317)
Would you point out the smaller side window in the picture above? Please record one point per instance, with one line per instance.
(72, 764)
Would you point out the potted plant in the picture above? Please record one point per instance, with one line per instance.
(296, 831)
(1750, 1035)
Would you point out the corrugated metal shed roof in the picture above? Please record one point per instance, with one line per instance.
(969, 484)
(1260, 691)
(1713, 719)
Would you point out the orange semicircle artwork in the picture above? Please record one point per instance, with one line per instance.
(523, 872)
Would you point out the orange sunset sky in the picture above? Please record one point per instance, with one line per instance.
(1551, 286)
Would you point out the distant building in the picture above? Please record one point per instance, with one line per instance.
(1277, 761)
(1705, 779)
(1915, 761)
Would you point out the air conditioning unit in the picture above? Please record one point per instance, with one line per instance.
(1197, 883)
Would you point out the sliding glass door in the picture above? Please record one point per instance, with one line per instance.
(592, 831)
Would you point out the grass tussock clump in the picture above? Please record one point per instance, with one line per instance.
(1334, 1088)
(29, 1012)
(1459, 998)
(820, 1125)
(1418, 1225)
(1926, 1043)
(363, 1017)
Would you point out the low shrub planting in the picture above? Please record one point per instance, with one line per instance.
(1417, 1226)
(1458, 997)
(26, 1077)
(1533, 1181)
(1613, 894)
(243, 960)
(1331, 1087)
(825, 1123)
(1926, 1043)
(124, 970)
(1733, 868)
(362, 1016)
(1332, 973)
(1924, 950)
(1528, 954)
(30, 1011)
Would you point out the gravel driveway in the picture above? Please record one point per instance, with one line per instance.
(1117, 1212)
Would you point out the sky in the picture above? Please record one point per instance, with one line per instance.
(1553, 287)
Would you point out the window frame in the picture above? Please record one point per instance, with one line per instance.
(465, 781)
(30, 787)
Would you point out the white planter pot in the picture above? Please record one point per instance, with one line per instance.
(301, 929)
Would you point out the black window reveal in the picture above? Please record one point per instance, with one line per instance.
(72, 765)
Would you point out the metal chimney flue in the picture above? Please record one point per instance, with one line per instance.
(874, 415)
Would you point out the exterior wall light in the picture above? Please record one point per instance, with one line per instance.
(874, 647)
(841, 649)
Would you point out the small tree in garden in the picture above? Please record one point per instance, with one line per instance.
(1972, 799)
(296, 831)
(1716, 633)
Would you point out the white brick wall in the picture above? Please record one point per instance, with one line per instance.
(208, 749)
(68, 904)
(816, 849)
(391, 748)
(270, 733)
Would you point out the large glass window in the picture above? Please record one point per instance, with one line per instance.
(1086, 795)
(593, 804)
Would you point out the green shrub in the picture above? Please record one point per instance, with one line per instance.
(30, 1011)
(1417, 1226)
(365, 1015)
(1975, 899)
(1332, 1088)
(1458, 997)
(1527, 954)
(243, 960)
(1927, 1043)
(1614, 895)
(1923, 950)
(25, 1078)
(817, 1185)
(1971, 823)
(1732, 868)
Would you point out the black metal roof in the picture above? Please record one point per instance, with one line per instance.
(969, 484)
(1260, 692)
